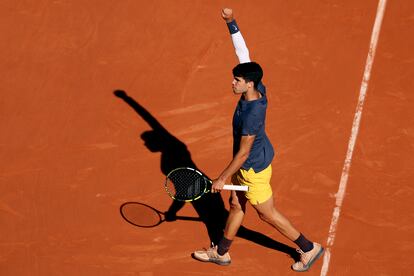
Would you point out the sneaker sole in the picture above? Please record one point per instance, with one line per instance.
(312, 261)
(211, 261)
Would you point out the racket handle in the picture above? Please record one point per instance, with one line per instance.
(236, 188)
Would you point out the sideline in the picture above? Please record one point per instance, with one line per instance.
(354, 133)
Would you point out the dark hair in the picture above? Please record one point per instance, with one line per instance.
(249, 71)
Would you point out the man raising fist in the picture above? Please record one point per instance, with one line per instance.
(251, 163)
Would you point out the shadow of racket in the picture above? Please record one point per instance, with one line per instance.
(143, 215)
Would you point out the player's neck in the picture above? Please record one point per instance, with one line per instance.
(251, 95)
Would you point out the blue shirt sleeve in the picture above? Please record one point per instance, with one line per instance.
(253, 121)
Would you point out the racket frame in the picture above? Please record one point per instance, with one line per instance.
(206, 189)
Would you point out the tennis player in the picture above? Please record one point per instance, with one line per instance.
(251, 164)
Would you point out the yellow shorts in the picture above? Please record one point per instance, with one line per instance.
(259, 184)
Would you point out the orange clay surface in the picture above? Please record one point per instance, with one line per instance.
(72, 152)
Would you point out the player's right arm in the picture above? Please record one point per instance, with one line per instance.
(239, 44)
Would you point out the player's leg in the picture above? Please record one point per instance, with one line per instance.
(234, 221)
(309, 251)
(260, 196)
(268, 213)
(219, 254)
(236, 215)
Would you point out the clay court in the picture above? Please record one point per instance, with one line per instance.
(101, 99)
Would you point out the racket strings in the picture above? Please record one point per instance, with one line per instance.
(185, 184)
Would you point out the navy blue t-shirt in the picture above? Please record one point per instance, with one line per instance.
(249, 119)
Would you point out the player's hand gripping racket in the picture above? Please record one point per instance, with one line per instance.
(188, 184)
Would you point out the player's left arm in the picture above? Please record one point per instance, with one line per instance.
(240, 47)
(241, 156)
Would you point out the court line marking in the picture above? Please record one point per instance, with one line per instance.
(354, 133)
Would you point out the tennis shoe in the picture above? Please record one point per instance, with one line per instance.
(308, 258)
(211, 255)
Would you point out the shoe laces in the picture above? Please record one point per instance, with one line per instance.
(212, 251)
(303, 256)
(300, 251)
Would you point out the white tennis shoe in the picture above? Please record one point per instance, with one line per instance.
(308, 258)
(211, 255)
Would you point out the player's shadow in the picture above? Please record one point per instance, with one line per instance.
(210, 207)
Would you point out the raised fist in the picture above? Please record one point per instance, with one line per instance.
(227, 14)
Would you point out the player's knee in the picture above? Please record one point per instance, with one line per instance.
(235, 206)
(270, 217)
(273, 219)
(265, 217)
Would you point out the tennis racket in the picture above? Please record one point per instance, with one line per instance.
(143, 215)
(188, 184)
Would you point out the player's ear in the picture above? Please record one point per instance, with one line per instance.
(250, 84)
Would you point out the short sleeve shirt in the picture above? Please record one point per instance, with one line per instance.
(249, 119)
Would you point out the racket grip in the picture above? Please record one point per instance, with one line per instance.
(236, 188)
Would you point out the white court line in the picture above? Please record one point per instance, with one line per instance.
(354, 133)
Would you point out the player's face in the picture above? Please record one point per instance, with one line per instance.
(239, 85)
